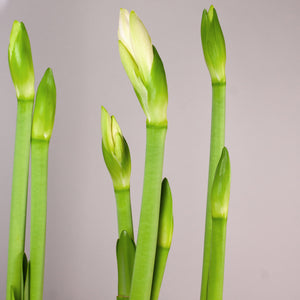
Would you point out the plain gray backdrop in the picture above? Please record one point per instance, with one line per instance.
(78, 40)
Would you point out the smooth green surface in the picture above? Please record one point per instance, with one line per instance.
(217, 261)
(149, 218)
(39, 173)
(217, 141)
(19, 198)
(44, 109)
(165, 228)
(125, 260)
(213, 45)
(164, 239)
(20, 62)
(221, 187)
(124, 212)
(159, 270)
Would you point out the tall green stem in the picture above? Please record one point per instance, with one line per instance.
(124, 211)
(39, 171)
(217, 260)
(19, 198)
(148, 227)
(217, 140)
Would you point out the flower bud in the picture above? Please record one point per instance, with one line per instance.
(115, 151)
(143, 67)
(44, 109)
(165, 229)
(213, 45)
(20, 62)
(221, 187)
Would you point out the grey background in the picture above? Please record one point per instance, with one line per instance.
(78, 39)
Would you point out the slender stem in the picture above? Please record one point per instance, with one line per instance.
(159, 270)
(124, 212)
(217, 141)
(148, 227)
(39, 171)
(19, 198)
(217, 260)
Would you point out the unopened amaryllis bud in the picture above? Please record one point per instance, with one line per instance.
(143, 67)
(115, 151)
(165, 229)
(20, 62)
(44, 109)
(213, 45)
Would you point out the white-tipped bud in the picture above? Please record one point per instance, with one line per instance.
(143, 67)
(115, 151)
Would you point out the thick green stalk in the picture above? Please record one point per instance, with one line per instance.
(124, 211)
(19, 198)
(39, 171)
(217, 260)
(217, 141)
(159, 270)
(148, 227)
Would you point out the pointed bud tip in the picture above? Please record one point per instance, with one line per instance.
(211, 13)
(16, 28)
(104, 112)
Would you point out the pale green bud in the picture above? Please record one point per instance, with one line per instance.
(166, 223)
(44, 109)
(115, 151)
(143, 67)
(213, 45)
(20, 62)
(220, 191)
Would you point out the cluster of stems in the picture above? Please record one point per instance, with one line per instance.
(141, 265)
(146, 262)
(213, 45)
(141, 262)
(25, 278)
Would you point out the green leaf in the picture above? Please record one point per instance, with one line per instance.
(125, 259)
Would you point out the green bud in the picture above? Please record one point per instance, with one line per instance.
(20, 62)
(157, 92)
(143, 67)
(44, 110)
(165, 228)
(221, 187)
(125, 260)
(213, 45)
(115, 151)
